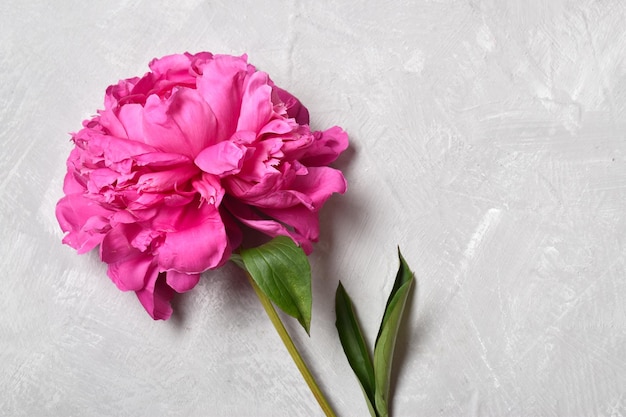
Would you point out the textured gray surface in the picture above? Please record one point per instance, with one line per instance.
(488, 140)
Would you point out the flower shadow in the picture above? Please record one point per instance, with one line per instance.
(339, 212)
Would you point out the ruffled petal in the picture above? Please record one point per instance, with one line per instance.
(325, 148)
(71, 183)
(167, 180)
(278, 127)
(209, 187)
(176, 68)
(101, 178)
(249, 190)
(311, 190)
(111, 123)
(262, 158)
(318, 185)
(224, 158)
(294, 108)
(161, 159)
(112, 149)
(84, 220)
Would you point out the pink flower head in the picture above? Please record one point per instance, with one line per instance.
(180, 160)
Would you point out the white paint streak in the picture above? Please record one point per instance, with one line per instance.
(485, 38)
(416, 62)
(484, 352)
(488, 221)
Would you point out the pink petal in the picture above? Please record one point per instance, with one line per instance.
(249, 190)
(166, 180)
(251, 218)
(296, 143)
(243, 137)
(120, 91)
(109, 120)
(326, 147)
(198, 243)
(113, 149)
(181, 282)
(183, 123)
(294, 108)
(194, 117)
(311, 190)
(131, 117)
(221, 86)
(160, 130)
(132, 274)
(174, 67)
(210, 189)
(100, 178)
(161, 159)
(268, 190)
(278, 127)
(277, 191)
(144, 201)
(117, 247)
(256, 104)
(71, 185)
(179, 199)
(145, 238)
(318, 185)
(224, 158)
(156, 296)
(304, 221)
(261, 159)
(79, 216)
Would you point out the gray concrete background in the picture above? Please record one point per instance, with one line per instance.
(487, 140)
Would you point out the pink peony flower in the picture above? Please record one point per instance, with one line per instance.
(183, 159)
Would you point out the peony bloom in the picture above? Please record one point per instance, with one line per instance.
(181, 161)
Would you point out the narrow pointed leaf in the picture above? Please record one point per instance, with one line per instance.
(386, 340)
(354, 346)
(281, 270)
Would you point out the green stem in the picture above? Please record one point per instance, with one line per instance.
(293, 351)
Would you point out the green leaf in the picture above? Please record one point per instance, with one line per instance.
(386, 340)
(354, 345)
(281, 269)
